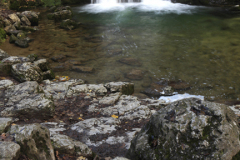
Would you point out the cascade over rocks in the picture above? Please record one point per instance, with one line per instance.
(188, 129)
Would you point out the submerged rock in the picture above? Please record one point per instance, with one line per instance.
(188, 129)
(69, 24)
(83, 69)
(130, 61)
(135, 74)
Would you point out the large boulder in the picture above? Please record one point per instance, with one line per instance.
(34, 140)
(27, 100)
(188, 129)
(27, 72)
(32, 17)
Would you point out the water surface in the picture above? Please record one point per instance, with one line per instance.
(197, 45)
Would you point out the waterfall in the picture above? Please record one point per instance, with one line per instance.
(114, 1)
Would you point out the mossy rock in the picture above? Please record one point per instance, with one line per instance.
(13, 38)
(69, 24)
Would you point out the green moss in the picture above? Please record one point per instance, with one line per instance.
(2, 35)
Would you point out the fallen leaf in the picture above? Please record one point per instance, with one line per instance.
(114, 116)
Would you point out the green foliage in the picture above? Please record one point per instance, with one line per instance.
(49, 3)
(2, 35)
(14, 4)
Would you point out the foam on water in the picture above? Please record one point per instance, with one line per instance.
(177, 97)
(158, 6)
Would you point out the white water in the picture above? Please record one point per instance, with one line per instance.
(178, 97)
(158, 6)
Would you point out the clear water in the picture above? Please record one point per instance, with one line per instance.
(198, 45)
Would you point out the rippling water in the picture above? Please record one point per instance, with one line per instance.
(197, 45)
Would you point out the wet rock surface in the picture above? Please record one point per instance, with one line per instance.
(188, 129)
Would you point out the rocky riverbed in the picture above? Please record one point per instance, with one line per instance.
(64, 118)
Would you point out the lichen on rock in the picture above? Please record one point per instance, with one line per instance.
(188, 129)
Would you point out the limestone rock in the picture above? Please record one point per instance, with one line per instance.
(32, 16)
(25, 21)
(188, 129)
(67, 145)
(42, 64)
(9, 150)
(4, 124)
(58, 90)
(27, 100)
(27, 72)
(3, 54)
(15, 59)
(14, 18)
(111, 99)
(123, 87)
(34, 140)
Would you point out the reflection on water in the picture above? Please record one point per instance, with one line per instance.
(145, 44)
